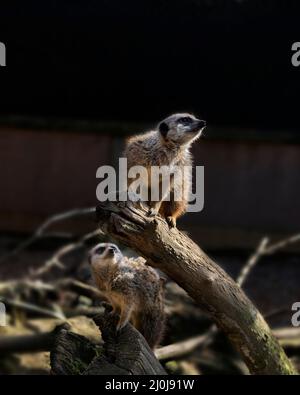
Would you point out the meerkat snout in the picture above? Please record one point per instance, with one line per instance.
(103, 251)
(167, 147)
(181, 128)
(200, 124)
(133, 289)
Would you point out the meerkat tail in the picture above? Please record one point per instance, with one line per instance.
(151, 324)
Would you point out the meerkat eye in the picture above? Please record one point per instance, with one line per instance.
(100, 250)
(185, 120)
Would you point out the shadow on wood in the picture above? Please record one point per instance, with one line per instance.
(123, 353)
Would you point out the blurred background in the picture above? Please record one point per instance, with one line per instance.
(80, 77)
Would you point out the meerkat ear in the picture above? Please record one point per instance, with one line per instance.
(163, 129)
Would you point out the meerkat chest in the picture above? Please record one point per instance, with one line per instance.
(103, 277)
(167, 170)
(101, 283)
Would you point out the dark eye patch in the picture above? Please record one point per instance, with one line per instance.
(100, 250)
(185, 120)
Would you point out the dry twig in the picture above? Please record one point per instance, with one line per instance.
(55, 260)
(40, 231)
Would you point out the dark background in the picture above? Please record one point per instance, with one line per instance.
(137, 60)
(81, 75)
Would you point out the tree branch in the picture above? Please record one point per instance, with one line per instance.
(40, 231)
(215, 292)
(252, 261)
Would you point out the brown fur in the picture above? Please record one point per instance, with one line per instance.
(154, 149)
(134, 290)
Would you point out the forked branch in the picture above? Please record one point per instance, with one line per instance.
(215, 292)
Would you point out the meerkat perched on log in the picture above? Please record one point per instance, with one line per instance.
(168, 146)
(134, 290)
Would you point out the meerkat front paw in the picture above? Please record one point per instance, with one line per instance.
(171, 222)
(134, 197)
(153, 212)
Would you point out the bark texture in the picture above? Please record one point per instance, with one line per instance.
(125, 352)
(214, 291)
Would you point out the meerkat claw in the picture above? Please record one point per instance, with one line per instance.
(153, 212)
(162, 147)
(171, 222)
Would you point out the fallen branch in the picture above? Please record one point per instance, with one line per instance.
(282, 244)
(45, 225)
(215, 292)
(27, 343)
(252, 261)
(79, 287)
(178, 350)
(286, 337)
(287, 333)
(55, 260)
(33, 308)
(44, 341)
(18, 288)
(265, 248)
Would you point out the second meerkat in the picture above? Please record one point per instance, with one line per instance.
(168, 145)
(133, 288)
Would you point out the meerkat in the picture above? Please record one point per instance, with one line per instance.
(134, 290)
(168, 145)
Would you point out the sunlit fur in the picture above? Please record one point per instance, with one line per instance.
(168, 145)
(133, 288)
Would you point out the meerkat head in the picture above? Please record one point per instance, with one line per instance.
(104, 253)
(181, 129)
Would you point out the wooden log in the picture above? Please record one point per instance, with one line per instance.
(214, 291)
(124, 352)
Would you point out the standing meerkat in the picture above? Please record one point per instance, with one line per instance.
(168, 146)
(134, 290)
